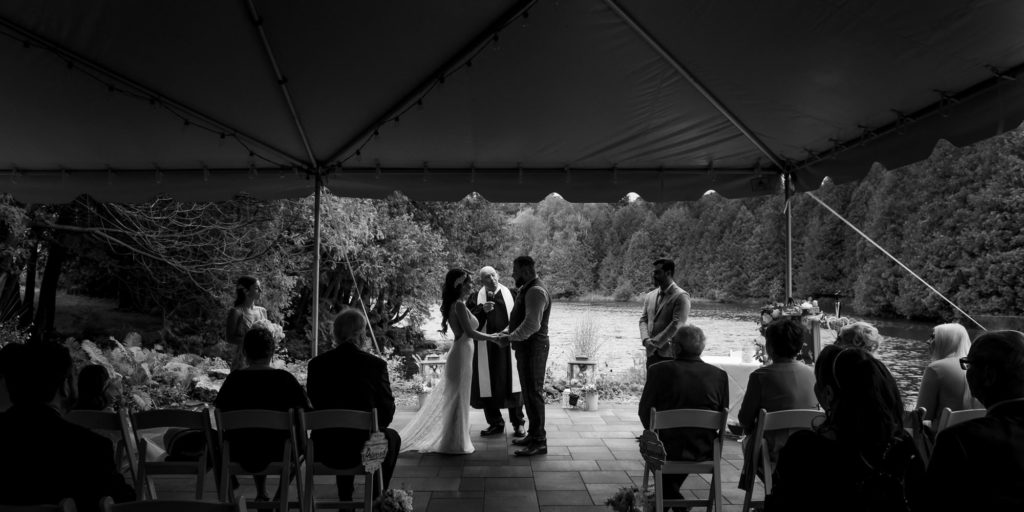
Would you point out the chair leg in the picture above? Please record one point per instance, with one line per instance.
(659, 492)
(369, 479)
(200, 477)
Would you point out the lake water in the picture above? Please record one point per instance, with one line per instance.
(728, 327)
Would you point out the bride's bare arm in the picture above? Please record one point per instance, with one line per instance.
(463, 315)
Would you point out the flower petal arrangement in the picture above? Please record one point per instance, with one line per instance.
(394, 500)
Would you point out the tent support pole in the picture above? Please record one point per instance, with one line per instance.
(316, 263)
(787, 181)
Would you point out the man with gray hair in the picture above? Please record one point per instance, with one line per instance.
(495, 385)
(347, 377)
(684, 383)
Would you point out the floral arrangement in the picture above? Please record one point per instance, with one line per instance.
(627, 499)
(419, 384)
(394, 500)
(275, 330)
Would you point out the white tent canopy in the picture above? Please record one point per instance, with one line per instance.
(125, 100)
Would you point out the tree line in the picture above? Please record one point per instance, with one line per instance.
(956, 219)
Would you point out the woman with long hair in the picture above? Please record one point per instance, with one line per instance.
(944, 383)
(859, 458)
(243, 314)
(442, 424)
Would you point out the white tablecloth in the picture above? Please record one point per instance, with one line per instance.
(739, 373)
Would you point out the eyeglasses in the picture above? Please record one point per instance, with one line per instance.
(965, 363)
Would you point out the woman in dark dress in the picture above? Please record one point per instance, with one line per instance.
(258, 386)
(859, 458)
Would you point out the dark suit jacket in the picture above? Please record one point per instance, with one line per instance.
(685, 383)
(44, 459)
(348, 378)
(979, 464)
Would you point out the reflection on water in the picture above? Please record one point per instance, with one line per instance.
(729, 327)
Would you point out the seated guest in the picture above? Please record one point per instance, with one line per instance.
(5, 352)
(860, 335)
(859, 458)
(684, 383)
(44, 458)
(95, 389)
(944, 383)
(979, 464)
(784, 384)
(347, 377)
(258, 386)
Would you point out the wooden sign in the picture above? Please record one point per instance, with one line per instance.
(652, 449)
(374, 451)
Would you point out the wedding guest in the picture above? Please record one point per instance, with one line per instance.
(243, 315)
(859, 458)
(95, 389)
(666, 309)
(45, 458)
(258, 386)
(979, 464)
(686, 382)
(944, 383)
(861, 335)
(348, 377)
(784, 384)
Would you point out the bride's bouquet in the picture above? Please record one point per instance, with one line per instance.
(393, 500)
(275, 330)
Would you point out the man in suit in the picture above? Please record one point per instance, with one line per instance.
(495, 376)
(46, 459)
(684, 383)
(979, 464)
(347, 377)
(666, 309)
(528, 324)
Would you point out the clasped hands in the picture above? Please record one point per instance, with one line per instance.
(501, 339)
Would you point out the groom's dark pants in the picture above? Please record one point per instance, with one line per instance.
(531, 361)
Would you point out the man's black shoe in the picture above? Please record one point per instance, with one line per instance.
(534, 449)
(492, 430)
(518, 431)
(523, 441)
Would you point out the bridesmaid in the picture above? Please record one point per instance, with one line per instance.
(243, 315)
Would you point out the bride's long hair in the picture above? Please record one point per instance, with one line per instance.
(451, 292)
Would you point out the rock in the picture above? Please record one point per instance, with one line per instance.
(218, 373)
(206, 389)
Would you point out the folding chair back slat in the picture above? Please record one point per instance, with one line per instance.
(690, 418)
(760, 457)
(339, 418)
(171, 418)
(66, 505)
(313, 421)
(948, 418)
(254, 418)
(685, 418)
(171, 506)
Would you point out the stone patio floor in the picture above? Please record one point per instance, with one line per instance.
(590, 456)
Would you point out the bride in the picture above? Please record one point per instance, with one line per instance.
(442, 423)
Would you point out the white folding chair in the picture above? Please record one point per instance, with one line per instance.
(170, 418)
(108, 505)
(314, 421)
(689, 418)
(948, 418)
(65, 505)
(283, 468)
(111, 422)
(793, 419)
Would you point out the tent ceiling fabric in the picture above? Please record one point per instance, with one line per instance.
(585, 98)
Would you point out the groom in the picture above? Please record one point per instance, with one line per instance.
(528, 325)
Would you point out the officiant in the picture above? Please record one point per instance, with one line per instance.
(495, 379)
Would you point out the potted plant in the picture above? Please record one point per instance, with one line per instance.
(394, 500)
(422, 390)
(627, 499)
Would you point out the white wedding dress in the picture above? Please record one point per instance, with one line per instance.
(442, 424)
